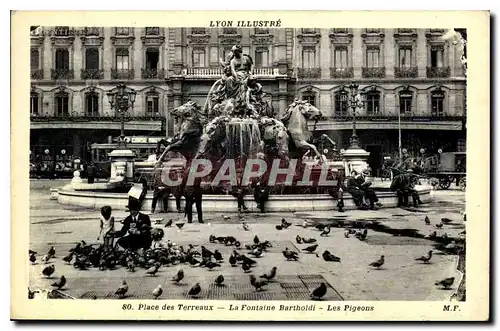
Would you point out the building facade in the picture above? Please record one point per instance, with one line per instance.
(410, 79)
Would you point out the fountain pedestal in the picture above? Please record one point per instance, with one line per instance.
(355, 159)
(122, 164)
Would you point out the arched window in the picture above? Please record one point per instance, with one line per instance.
(92, 58)
(437, 102)
(405, 101)
(91, 104)
(34, 102)
(61, 104)
(373, 102)
(341, 102)
(309, 97)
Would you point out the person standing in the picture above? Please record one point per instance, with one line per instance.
(136, 230)
(91, 173)
(193, 195)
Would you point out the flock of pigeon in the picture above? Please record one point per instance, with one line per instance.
(84, 256)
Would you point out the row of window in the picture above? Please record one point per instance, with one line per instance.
(372, 103)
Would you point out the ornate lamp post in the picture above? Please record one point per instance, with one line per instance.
(355, 102)
(121, 99)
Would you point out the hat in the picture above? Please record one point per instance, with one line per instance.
(133, 204)
(236, 47)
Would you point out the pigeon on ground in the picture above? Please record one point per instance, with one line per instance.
(219, 280)
(320, 227)
(424, 258)
(206, 252)
(210, 265)
(325, 232)
(131, 265)
(329, 257)
(462, 233)
(68, 258)
(246, 267)
(157, 292)
(308, 240)
(439, 226)
(51, 252)
(179, 225)
(310, 249)
(232, 260)
(256, 240)
(346, 233)
(179, 276)
(257, 252)
(248, 260)
(169, 223)
(245, 226)
(122, 290)
(60, 283)
(298, 239)
(48, 271)
(319, 292)
(218, 256)
(195, 290)
(226, 217)
(285, 224)
(427, 220)
(290, 255)
(446, 220)
(153, 270)
(279, 227)
(446, 283)
(362, 235)
(32, 258)
(258, 284)
(269, 276)
(46, 258)
(377, 264)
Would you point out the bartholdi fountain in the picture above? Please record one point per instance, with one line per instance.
(236, 123)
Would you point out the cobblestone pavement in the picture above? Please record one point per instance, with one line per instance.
(401, 278)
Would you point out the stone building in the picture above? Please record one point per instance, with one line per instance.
(409, 78)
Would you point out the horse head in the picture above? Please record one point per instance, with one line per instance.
(309, 111)
(189, 110)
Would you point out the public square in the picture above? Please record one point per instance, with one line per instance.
(401, 277)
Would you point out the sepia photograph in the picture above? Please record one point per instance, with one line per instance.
(273, 168)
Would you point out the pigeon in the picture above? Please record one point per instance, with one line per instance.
(325, 232)
(210, 265)
(68, 258)
(290, 255)
(232, 260)
(245, 226)
(48, 271)
(446, 220)
(219, 280)
(425, 259)
(122, 289)
(131, 265)
(32, 258)
(427, 220)
(298, 239)
(257, 252)
(179, 276)
(248, 260)
(446, 283)
(32, 252)
(270, 275)
(308, 240)
(346, 233)
(319, 292)
(320, 227)
(465, 217)
(195, 290)
(256, 240)
(225, 217)
(279, 227)
(362, 235)
(179, 225)
(304, 224)
(439, 226)
(377, 264)
(218, 256)
(45, 258)
(205, 252)
(329, 257)
(462, 233)
(168, 224)
(431, 235)
(51, 252)
(258, 284)
(310, 249)
(157, 292)
(237, 256)
(285, 224)
(60, 283)
(31, 294)
(153, 270)
(246, 267)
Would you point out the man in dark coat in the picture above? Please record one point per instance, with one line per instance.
(91, 173)
(136, 230)
(193, 195)
(260, 194)
(360, 189)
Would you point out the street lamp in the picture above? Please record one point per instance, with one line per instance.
(356, 102)
(121, 99)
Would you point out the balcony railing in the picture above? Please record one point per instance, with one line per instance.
(152, 31)
(411, 72)
(122, 73)
(406, 30)
(62, 74)
(152, 73)
(342, 72)
(92, 74)
(36, 73)
(198, 31)
(309, 72)
(347, 117)
(438, 72)
(373, 72)
(93, 117)
(91, 31)
(217, 72)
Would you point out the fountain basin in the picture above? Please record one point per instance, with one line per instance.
(227, 203)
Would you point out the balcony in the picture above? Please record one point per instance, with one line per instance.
(411, 72)
(122, 74)
(438, 72)
(62, 74)
(342, 72)
(152, 73)
(91, 31)
(93, 118)
(309, 73)
(36, 73)
(207, 72)
(92, 74)
(373, 72)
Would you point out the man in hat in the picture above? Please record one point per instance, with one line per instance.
(91, 173)
(136, 230)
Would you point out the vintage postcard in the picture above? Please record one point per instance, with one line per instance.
(250, 166)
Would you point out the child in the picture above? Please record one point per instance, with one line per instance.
(107, 227)
(157, 236)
